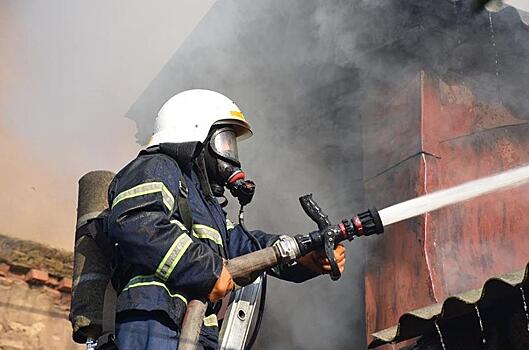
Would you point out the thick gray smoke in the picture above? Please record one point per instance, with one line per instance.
(306, 73)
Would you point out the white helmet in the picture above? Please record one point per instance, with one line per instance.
(189, 115)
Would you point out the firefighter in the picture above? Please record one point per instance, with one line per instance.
(169, 231)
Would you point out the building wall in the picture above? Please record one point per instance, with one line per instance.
(445, 136)
(35, 294)
(33, 316)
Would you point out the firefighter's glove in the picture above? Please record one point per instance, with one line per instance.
(317, 261)
(223, 286)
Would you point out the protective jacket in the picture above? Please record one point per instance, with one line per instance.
(160, 265)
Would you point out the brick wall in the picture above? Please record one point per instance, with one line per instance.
(34, 302)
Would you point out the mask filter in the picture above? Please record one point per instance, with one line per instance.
(241, 188)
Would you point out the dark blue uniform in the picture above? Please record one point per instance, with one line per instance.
(160, 264)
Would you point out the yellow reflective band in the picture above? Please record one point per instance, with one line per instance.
(173, 256)
(211, 321)
(238, 115)
(206, 232)
(151, 280)
(147, 188)
(229, 225)
(179, 224)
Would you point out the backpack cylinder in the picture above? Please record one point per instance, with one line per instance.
(91, 273)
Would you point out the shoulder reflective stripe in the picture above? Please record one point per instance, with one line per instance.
(202, 231)
(229, 225)
(147, 188)
(179, 224)
(211, 321)
(151, 280)
(173, 256)
(206, 232)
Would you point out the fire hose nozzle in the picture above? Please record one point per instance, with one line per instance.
(366, 223)
(371, 222)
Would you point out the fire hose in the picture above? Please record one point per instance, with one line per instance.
(244, 269)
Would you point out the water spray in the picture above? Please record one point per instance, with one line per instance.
(437, 200)
(373, 222)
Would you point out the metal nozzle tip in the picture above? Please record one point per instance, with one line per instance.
(371, 222)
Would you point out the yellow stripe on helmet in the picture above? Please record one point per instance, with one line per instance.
(238, 115)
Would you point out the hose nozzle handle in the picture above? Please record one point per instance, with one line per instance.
(329, 241)
(313, 210)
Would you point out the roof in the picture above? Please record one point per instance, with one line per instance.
(32, 255)
(421, 321)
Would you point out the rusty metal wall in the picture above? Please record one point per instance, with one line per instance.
(432, 136)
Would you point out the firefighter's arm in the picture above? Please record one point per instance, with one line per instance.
(239, 244)
(144, 222)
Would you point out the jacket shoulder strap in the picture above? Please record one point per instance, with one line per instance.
(183, 204)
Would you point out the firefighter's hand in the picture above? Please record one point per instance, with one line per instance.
(316, 261)
(223, 286)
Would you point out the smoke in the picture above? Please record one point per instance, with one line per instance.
(307, 74)
(23, 212)
(68, 73)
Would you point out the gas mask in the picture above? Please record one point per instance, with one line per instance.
(223, 166)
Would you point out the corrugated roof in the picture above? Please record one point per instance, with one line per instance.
(520, 6)
(421, 321)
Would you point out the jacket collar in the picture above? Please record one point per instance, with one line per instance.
(184, 153)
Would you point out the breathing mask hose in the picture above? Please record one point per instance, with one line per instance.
(252, 238)
(262, 300)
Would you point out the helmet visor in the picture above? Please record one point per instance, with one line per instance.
(224, 143)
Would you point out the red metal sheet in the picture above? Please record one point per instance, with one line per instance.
(397, 276)
(426, 259)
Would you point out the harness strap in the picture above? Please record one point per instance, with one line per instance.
(106, 340)
(183, 205)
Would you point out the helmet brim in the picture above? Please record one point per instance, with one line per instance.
(241, 127)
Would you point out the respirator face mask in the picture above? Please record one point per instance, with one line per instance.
(224, 168)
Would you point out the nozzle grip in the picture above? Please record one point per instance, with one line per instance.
(314, 211)
(328, 235)
(329, 252)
